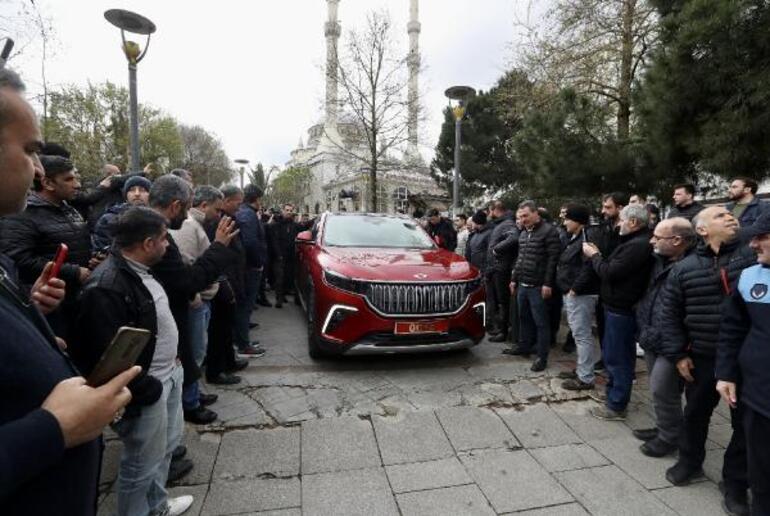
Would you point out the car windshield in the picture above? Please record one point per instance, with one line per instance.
(374, 231)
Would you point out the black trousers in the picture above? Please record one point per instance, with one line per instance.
(284, 278)
(555, 305)
(499, 301)
(757, 431)
(702, 397)
(221, 355)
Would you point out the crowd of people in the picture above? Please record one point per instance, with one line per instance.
(689, 290)
(188, 263)
(191, 263)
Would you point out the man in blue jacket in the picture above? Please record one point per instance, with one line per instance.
(744, 204)
(743, 354)
(50, 421)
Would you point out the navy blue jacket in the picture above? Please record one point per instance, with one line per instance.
(37, 474)
(102, 235)
(252, 236)
(752, 211)
(743, 349)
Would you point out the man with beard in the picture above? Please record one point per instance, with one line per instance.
(499, 265)
(684, 202)
(744, 204)
(136, 192)
(283, 231)
(441, 230)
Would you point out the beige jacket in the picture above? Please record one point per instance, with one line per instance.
(192, 241)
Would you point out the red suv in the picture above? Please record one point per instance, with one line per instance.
(373, 283)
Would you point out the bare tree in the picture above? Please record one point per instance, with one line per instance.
(204, 156)
(597, 47)
(373, 81)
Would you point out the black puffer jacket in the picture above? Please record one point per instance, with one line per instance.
(31, 238)
(502, 228)
(539, 250)
(574, 271)
(688, 212)
(648, 320)
(476, 248)
(625, 272)
(692, 298)
(283, 232)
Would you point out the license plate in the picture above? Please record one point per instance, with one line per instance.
(421, 327)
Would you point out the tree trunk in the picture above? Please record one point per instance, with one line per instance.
(627, 49)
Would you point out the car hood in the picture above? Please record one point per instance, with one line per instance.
(408, 265)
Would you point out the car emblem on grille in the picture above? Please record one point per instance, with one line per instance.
(420, 275)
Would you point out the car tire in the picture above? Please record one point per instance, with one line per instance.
(313, 338)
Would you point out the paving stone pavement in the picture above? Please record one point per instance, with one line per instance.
(472, 433)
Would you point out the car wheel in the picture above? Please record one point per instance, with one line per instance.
(313, 338)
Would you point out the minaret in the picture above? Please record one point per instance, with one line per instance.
(332, 32)
(413, 28)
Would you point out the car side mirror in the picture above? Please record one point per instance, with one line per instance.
(304, 237)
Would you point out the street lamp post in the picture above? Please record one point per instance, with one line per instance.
(460, 94)
(128, 21)
(243, 163)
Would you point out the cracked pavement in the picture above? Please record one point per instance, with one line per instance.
(468, 433)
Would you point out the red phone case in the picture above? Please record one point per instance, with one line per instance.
(58, 261)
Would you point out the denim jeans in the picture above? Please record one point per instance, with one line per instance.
(535, 321)
(198, 330)
(244, 306)
(148, 441)
(619, 353)
(580, 313)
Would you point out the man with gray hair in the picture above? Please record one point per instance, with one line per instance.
(672, 240)
(624, 275)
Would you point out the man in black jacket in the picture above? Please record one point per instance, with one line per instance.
(672, 239)
(623, 275)
(441, 230)
(532, 280)
(691, 316)
(124, 292)
(684, 202)
(579, 284)
(499, 265)
(744, 204)
(743, 354)
(283, 231)
(478, 241)
(50, 421)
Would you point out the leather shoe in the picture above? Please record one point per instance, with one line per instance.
(680, 474)
(265, 303)
(734, 502)
(646, 434)
(207, 399)
(538, 365)
(517, 352)
(200, 415)
(224, 379)
(279, 304)
(500, 337)
(179, 452)
(178, 469)
(239, 364)
(657, 448)
(253, 325)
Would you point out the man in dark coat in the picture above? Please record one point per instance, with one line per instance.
(744, 204)
(283, 232)
(499, 265)
(136, 192)
(690, 321)
(478, 241)
(624, 275)
(50, 421)
(441, 230)
(672, 239)
(685, 204)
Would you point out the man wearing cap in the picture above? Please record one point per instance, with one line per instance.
(478, 241)
(580, 286)
(743, 353)
(136, 192)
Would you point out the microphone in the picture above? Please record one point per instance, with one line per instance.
(6, 52)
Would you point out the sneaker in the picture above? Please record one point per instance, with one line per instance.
(207, 399)
(517, 352)
(500, 337)
(539, 365)
(734, 502)
(200, 415)
(250, 351)
(607, 414)
(576, 384)
(179, 505)
(598, 396)
(567, 375)
(224, 379)
(657, 448)
(646, 434)
(681, 474)
(178, 469)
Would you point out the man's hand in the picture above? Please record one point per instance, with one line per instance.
(512, 287)
(729, 392)
(589, 249)
(84, 274)
(106, 182)
(95, 260)
(226, 231)
(571, 293)
(684, 366)
(47, 292)
(546, 292)
(82, 411)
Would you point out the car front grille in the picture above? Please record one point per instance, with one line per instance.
(417, 298)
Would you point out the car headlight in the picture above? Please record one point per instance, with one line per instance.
(344, 283)
(472, 286)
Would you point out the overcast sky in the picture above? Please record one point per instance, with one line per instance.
(250, 70)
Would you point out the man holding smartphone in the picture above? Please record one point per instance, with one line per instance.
(50, 429)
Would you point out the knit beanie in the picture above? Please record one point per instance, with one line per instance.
(578, 213)
(479, 218)
(136, 181)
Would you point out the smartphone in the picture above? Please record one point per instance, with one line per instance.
(122, 353)
(59, 259)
